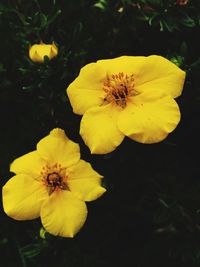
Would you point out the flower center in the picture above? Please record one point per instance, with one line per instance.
(118, 88)
(54, 177)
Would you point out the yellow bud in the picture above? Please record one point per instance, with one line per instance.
(37, 52)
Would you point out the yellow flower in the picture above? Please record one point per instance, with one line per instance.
(53, 183)
(126, 96)
(37, 52)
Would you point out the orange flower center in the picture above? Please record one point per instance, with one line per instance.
(54, 177)
(118, 88)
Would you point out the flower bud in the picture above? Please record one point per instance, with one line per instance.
(37, 52)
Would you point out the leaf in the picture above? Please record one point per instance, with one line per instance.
(163, 203)
(183, 49)
(44, 20)
(101, 4)
(58, 12)
(2, 68)
(32, 250)
(188, 21)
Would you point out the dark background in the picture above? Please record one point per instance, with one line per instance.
(150, 214)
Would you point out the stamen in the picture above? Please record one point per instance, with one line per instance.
(54, 177)
(118, 88)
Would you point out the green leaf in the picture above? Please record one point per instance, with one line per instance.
(183, 49)
(32, 250)
(101, 4)
(188, 21)
(44, 20)
(163, 203)
(50, 20)
(2, 68)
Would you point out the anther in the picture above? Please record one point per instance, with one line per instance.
(118, 88)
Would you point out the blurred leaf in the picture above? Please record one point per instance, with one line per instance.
(184, 49)
(44, 20)
(163, 203)
(52, 19)
(187, 21)
(32, 250)
(101, 4)
(2, 69)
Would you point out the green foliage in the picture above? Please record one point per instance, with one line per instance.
(150, 214)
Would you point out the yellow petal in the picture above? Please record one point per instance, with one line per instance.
(63, 214)
(84, 182)
(127, 64)
(30, 164)
(86, 90)
(149, 118)
(36, 57)
(160, 74)
(57, 148)
(23, 196)
(99, 129)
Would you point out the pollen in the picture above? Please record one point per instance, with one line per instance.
(54, 177)
(118, 88)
